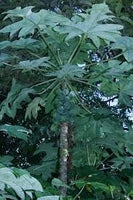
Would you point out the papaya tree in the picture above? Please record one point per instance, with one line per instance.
(74, 82)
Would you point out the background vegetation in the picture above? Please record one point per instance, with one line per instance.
(53, 79)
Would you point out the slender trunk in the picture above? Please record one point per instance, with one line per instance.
(63, 156)
(70, 146)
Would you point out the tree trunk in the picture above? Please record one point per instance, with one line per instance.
(63, 156)
(70, 146)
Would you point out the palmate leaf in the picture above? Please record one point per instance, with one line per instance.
(44, 169)
(23, 96)
(5, 105)
(87, 129)
(31, 20)
(34, 107)
(22, 43)
(109, 88)
(99, 135)
(126, 45)
(122, 162)
(68, 71)
(117, 69)
(49, 149)
(125, 92)
(15, 131)
(48, 164)
(17, 26)
(90, 25)
(34, 64)
(15, 97)
(122, 87)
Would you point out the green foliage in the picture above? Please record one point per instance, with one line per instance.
(15, 131)
(34, 107)
(22, 43)
(107, 186)
(4, 57)
(45, 21)
(69, 72)
(90, 25)
(34, 64)
(58, 183)
(47, 166)
(68, 86)
(16, 96)
(49, 198)
(6, 160)
(16, 183)
(86, 24)
(125, 44)
(31, 20)
(123, 11)
(93, 140)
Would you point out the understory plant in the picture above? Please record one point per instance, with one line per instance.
(75, 74)
(17, 183)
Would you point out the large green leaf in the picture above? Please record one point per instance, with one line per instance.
(68, 71)
(34, 64)
(8, 178)
(122, 162)
(34, 107)
(19, 44)
(86, 129)
(117, 69)
(44, 169)
(90, 25)
(126, 92)
(22, 184)
(109, 88)
(31, 21)
(15, 97)
(5, 105)
(15, 131)
(126, 45)
(48, 164)
(26, 180)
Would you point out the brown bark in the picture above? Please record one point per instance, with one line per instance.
(63, 156)
(70, 145)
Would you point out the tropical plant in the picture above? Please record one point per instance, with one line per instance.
(78, 95)
(17, 183)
